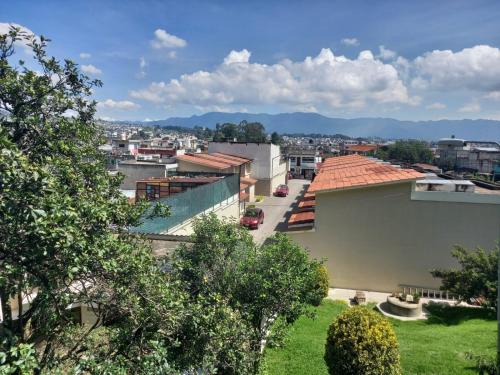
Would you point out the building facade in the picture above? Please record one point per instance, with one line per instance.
(378, 232)
(267, 167)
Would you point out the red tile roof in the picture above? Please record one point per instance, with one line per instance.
(355, 171)
(301, 218)
(307, 204)
(361, 148)
(203, 161)
(231, 157)
(248, 180)
(309, 196)
(215, 160)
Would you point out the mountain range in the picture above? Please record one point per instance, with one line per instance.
(389, 128)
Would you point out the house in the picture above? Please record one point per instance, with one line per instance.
(135, 170)
(381, 227)
(217, 162)
(358, 149)
(303, 162)
(478, 156)
(268, 166)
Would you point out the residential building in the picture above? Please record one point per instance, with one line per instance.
(221, 163)
(454, 153)
(303, 162)
(268, 166)
(358, 149)
(381, 227)
(136, 170)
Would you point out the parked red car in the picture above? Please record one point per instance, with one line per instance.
(252, 218)
(281, 191)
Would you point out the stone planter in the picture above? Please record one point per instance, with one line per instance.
(406, 309)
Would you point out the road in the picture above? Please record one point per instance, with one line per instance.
(278, 209)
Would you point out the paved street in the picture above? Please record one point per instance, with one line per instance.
(278, 209)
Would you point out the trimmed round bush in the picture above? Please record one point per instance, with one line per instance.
(362, 342)
(321, 285)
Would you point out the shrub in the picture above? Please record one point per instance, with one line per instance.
(259, 198)
(361, 341)
(320, 284)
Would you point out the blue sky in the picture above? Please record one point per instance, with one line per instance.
(440, 59)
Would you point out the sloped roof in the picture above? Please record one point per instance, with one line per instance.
(301, 218)
(203, 161)
(355, 171)
(214, 160)
(361, 148)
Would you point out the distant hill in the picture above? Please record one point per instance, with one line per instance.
(300, 122)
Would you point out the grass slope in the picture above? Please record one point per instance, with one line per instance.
(436, 346)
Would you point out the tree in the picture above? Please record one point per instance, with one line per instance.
(261, 285)
(477, 276)
(276, 139)
(252, 132)
(64, 237)
(410, 151)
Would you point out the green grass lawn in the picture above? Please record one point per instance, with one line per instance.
(435, 346)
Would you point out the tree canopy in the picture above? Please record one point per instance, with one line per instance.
(410, 151)
(243, 132)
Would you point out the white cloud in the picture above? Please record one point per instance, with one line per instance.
(172, 54)
(120, 104)
(142, 66)
(319, 83)
(350, 42)
(386, 54)
(85, 55)
(242, 56)
(91, 69)
(436, 105)
(494, 95)
(470, 108)
(166, 40)
(5, 28)
(476, 69)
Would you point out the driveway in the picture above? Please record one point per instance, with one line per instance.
(277, 210)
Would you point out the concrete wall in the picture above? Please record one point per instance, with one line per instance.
(378, 238)
(264, 156)
(228, 209)
(140, 171)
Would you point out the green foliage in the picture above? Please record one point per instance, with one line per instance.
(321, 284)
(361, 341)
(477, 276)
(484, 365)
(260, 285)
(243, 132)
(427, 347)
(410, 151)
(63, 226)
(276, 138)
(18, 359)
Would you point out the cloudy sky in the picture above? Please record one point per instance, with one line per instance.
(402, 59)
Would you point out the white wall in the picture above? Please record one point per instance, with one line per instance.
(228, 209)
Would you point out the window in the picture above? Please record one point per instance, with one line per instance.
(308, 160)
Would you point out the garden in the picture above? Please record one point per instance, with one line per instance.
(438, 345)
